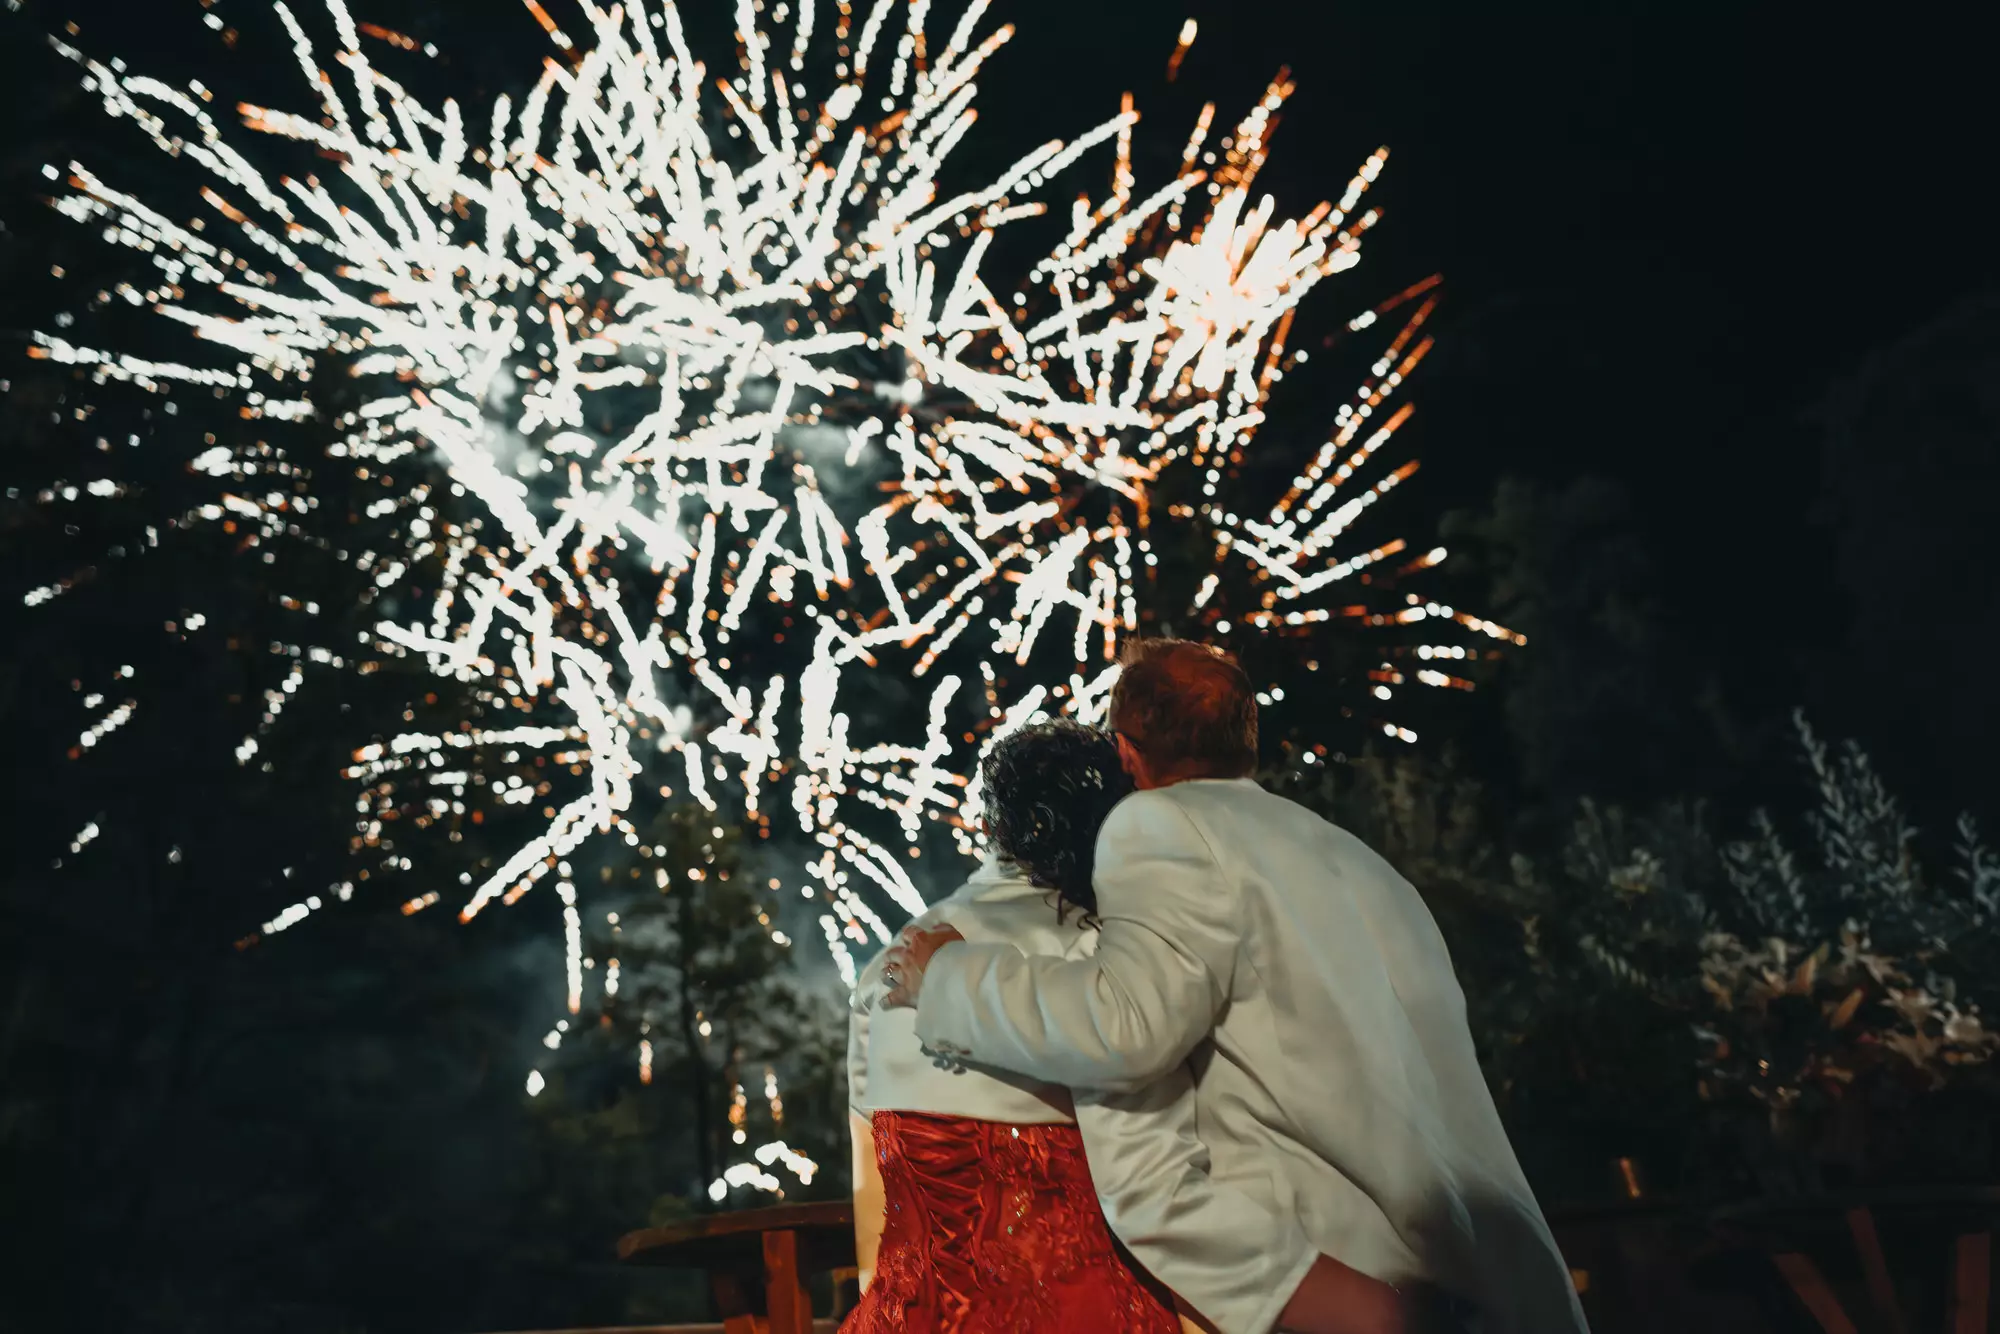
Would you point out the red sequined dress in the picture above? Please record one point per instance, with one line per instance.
(996, 1229)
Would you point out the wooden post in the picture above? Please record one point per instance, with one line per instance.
(786, 1304)
(1875, 1268)
(1970, 1277)
(732, 1303)
(1810, 1285)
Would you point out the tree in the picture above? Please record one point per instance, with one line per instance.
(1616, 696)
(1911, 463)
(702, 1017)
(1752, 1014)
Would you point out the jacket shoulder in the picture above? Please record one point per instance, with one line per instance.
(1242, 814)
(1157, 816)
(1203, 803)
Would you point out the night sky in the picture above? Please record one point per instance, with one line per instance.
(1733, 259)
(1721, 303)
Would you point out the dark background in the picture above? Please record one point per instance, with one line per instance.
(1713, 418)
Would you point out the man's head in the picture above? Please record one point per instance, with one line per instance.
(1183, 710)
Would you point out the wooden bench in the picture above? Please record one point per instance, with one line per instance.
(756, 1258)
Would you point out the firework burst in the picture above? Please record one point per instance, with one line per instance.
(696, 435)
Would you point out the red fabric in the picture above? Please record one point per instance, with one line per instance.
(996, 1228)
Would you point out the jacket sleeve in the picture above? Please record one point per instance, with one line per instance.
(1224, 1253)
(1131, 1012)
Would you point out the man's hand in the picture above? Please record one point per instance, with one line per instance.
(904, 964)
(1336, 1299)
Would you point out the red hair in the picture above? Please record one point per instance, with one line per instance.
(1188, 708)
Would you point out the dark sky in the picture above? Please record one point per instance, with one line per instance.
(1673, 236)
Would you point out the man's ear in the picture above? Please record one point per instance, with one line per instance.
(1133, 762)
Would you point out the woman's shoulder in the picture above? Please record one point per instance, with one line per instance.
(1007, 909)
(995, 906)
(867, 986)
(868, 978)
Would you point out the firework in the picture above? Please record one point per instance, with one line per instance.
(697, 433)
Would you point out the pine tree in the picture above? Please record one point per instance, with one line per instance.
(701, 1011)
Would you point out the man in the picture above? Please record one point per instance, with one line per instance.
(1307, 987)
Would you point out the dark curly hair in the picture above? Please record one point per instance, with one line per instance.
(1049, 787)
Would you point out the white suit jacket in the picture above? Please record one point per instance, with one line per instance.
(1133, 1144)
(1336, 1086)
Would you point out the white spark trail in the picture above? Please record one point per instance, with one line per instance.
(673, 391)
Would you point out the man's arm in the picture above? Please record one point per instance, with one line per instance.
(1225, 1254)
(1130, 1013)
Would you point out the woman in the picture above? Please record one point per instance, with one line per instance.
(973, 1206)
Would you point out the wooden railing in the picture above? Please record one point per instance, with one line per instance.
(1817, 1242)
(759, 1262)
(1862, 1262)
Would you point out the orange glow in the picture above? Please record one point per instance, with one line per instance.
(1181, 46)
(392, 37)
(548, 24)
